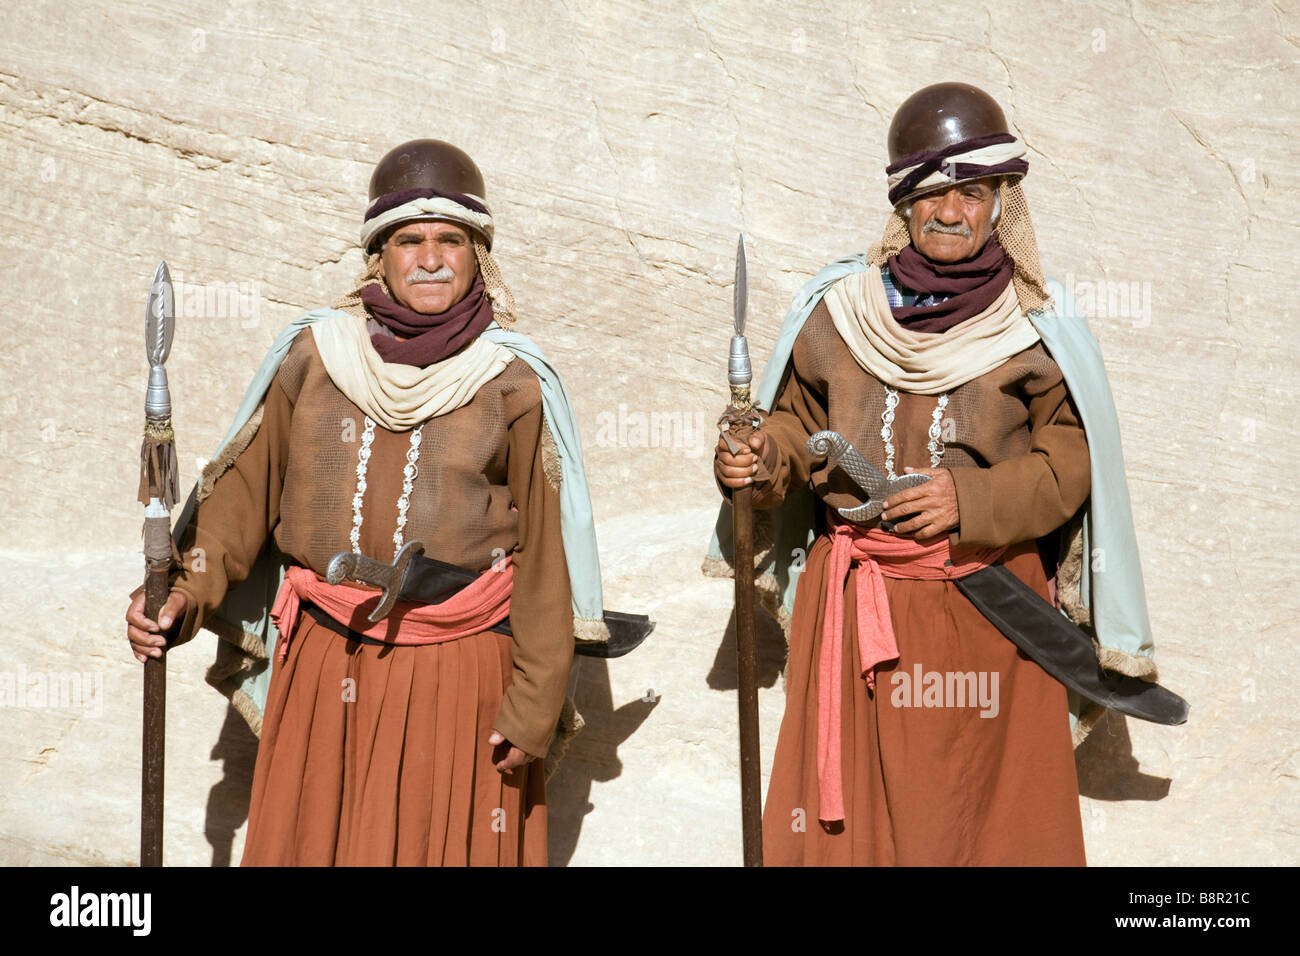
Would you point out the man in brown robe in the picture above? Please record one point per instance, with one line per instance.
(914, 731)
(393, 420)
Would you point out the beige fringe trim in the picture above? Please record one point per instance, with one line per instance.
(551, 458)
(372, 273)
(717, 567)
(245, 707)
(1092, 715)
(234, 448)
(504, 309)
(1069, 576)
(237, 653)
(238, 639)
(566, 729)
(590, 632)
(1131, 665)
(1069, 581)
(764, 542)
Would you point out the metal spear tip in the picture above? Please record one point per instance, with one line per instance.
(160, 316)
(742, 286)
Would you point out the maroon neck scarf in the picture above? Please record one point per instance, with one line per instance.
(432, 337)
(971, 286)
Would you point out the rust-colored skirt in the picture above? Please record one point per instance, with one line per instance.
(379, 756)
(926, 785)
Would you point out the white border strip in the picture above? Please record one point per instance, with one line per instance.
(437, 206)
(994, 155)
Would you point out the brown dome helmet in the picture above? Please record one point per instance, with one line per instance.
(932, 130)
(426, 179)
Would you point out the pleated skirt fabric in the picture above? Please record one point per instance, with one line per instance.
(934, 778)
(379, 756)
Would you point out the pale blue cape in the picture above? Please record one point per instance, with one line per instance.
(1111, 586)
(247, 606)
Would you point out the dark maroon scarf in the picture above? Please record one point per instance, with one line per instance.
(433, 337)
(971, 285)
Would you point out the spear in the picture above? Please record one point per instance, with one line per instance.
(741, 418)
(159, 486)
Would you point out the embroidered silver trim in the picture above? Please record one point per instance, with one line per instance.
(363, 461)
(887, 432)
(408, 481)
(409, 472)
(935, 446)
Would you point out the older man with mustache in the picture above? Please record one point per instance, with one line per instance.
(410, 410)
(926, 355)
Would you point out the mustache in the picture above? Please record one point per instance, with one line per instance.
(421, 274)
(955, 229)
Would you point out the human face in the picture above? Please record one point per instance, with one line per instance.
(959, 221)
(419, 251)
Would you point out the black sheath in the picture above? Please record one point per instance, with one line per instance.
(1062, 648)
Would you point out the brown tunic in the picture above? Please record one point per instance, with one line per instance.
(930, 784)
(374, 755)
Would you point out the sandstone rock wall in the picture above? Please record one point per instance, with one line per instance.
(624, 145)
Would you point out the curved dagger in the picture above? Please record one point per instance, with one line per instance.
(865, 475)
(356, 566)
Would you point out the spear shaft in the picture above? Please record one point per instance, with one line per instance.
(154, 728)
(158, 492)
(742, 420)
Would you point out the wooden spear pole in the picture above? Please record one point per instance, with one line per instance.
(743, 420)
(159, 481)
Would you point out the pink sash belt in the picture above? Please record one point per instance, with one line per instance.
(475, 608)
(878, 555)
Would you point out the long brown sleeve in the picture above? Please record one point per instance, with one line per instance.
(541, 615)
(799, 413)
(234, 522)
(1029, 495)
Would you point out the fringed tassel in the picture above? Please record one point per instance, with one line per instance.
(159, 469)
(567, 728)
(503, 300)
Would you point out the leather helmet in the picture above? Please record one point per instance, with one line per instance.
(430, 164)
(941, 115)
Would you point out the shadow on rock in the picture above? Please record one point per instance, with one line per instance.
(1107, 768)
(228, 799)
(592, 755)
(771, 653)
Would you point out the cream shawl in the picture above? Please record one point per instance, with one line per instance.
(399, 397)
(924, 363)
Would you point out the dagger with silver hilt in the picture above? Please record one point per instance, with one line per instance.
(879, 487)
(738, 423)
(159, 484)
